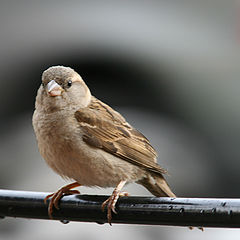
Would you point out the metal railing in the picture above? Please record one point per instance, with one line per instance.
(201, 212)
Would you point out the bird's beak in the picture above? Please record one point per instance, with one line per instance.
(54, 89)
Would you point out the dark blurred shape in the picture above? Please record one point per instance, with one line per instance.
(117, 81)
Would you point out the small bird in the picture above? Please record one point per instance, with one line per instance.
(83, 139)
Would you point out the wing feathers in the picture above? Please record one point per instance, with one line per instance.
(106, 129)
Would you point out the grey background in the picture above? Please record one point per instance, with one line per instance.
(170, 67)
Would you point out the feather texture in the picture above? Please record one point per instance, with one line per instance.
(106, 129)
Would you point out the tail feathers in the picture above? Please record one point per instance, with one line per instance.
(157, 185)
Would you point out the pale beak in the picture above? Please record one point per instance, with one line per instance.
(54, 89)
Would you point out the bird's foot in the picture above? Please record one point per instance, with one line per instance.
(112, 200)
(200, 228)
(55, 197)
(111, 203)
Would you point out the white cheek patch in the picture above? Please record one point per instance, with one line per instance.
(51, 85)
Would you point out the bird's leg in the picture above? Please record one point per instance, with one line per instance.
(55, 197)
(112, 200)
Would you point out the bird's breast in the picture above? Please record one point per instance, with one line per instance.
(61, 144)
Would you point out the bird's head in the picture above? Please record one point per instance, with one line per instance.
(62, 87)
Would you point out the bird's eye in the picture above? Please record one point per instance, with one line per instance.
(69, 83)
(43, 84)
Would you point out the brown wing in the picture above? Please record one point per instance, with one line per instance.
(106, 129)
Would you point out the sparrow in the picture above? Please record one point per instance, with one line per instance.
(85, 140)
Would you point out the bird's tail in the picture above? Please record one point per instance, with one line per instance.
(157, 185)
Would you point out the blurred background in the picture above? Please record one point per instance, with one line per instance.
(170, 67)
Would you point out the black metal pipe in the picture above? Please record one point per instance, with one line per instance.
(203, 212)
